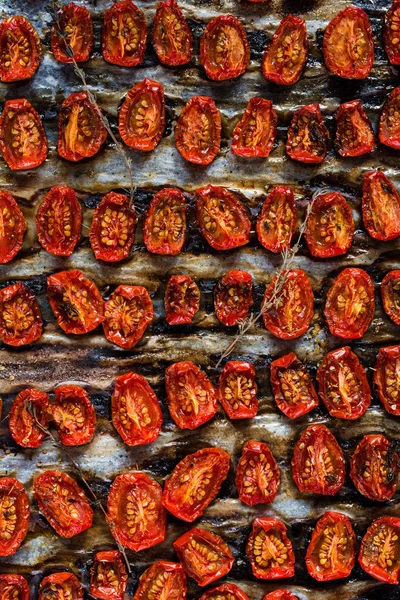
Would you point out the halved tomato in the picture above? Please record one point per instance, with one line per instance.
(222, 218)
(112, 231)
(292, 386)
(127, 314)
(380, 550)
(23, 141)
(391, 33)
(136, 413)
(141, 121)
(285, 57)
(12, 228)
(191, 396)
(354, 133)
(28, 407)
(162, 578)
(165, 223)
(137, 517)
(14, 587)
(237, 390)
(72, 31)
(224, 48)
(182, 300)
(280, 595)
(389, 121)
(227, 591)
(108, 576)
(330, 226)
(255, 133)
(307, 140)
(74, 415)
(374, 468)
(59, 221)
(330, 554)
(270, 550)
(75, 302)
(20, 49)
(288, 305)
(124, 34)
(350, 304)
(277, 220)
(14, 519)
(390, 292)
(198, 131)
(348, 44)
(172, 38)
(387, 378)
(233, 297)
(318, 462)
(380, 207)
(21, 321)
(195, 482)
(63, 503)
(58, 586)
(80, 129)
(257, 474)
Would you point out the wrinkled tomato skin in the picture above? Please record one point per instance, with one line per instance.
(199, 118)
(71, 404)
(219, 33)
(14, 586)
(391, 33)
(280, 595)
(59, 221)
(277, 221)
(289, 367)
(351, 118)
(233, 297)
(182, 300)
(255, 134)
(227, 591)
(172, 38)
(141, 122)
(13, 227)
(213, 463)
(165, 224)
(330, 226)
(21, 321)
(290, 39)
(13, 497)
(370, 553)
(386, 380)
(112, 231)
(261, 486)
(272, 570)
(144, 426)
(335, 531)
(105, 588)
(307, 140)
(115, 18)
(18, 27)
(380, 207)
(172, 574)
(18, 116)
(22, 423)
(374, 468)
(241, 401)
(127, 314)
(390, 292)
(389, 121)
(60, 585)
(76, 26)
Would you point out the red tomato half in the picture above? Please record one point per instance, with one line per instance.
(23, 141)
(354, 133)
(224, 48)
(108, 576)
(76, 28)
(195, 482)
(390, 292)
(277, 221)
(12, 228)
(136, 413)
(237, 390)
(374, 468)
(380, 207)
(172, 38)
(270, 550)
(198, 131)
(14, 518)
(380, 550)
(124, 34)
(63, 503)
(23, 428)
(58, 586)
(73, 415)
(233, 297)
(389, 121)
(255, 133)
(162, 578)
(21, 321)
(292, 386)
(165, 223)
(387, 378)
(307, 140)
(285, 57)
(141, 120)
(318, 462)
(330, 226)
(59, 221)
(330, 554)
(14, 587)
(257, 474)
(227, 591)
(112, 231)
(182, 300)
(280, 595)
(20, 49)
(128, 312)
(391, 33)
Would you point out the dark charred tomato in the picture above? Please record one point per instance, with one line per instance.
(257, 475)
(307, 135)
(63, 503)
(387, 378)
(380, 550)
(20, 317)
(198, 131)
(330, 226)
(289, 315)
(204, 556)
(75, 302)
(270, 550)
(182, 300)
(135, 511)
(12, 228)
(80, 129)
(108, 576)
(380, 207)
(14, 519)
(286, 56)
(391, 33)
(73, 415)
(27, 405)
(318, 462)
(390, 292)
(14, 587)
(141, 120)
(165, 224)
(233, 297)
(162, 579)
(224, 48)
(136, 414)
(292, 386)
(389, 121)
(227, 591)
(76, 28)
(374, 468)
(222, 218)
(350, 304)
(277, 221)
(191, 396)
(280, 595)
(128, 312)
(112, 230)
(354, 133)
(172, 38)
(195, 482)
(20, 49)
(255, 133)
(330, 554)
(59, 221)
(58, 586)
(23, 141)
(237, 390)
(124, 34)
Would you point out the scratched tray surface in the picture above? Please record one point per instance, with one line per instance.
(94, 363)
